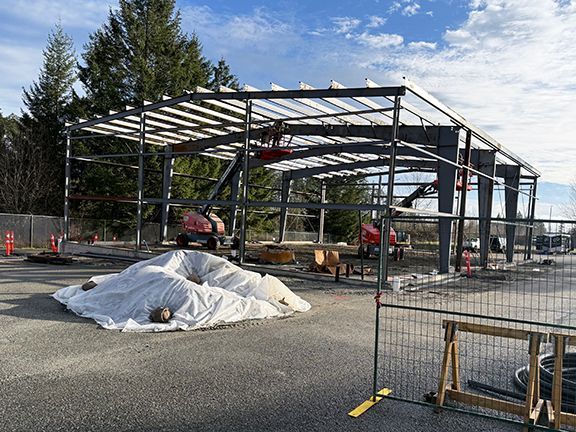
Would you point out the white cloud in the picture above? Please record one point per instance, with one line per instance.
(376, 21)
(422, 45)
(511, 69)
(411, 9)
(382, 40)
(345, 24)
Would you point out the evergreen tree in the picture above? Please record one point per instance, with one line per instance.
(47, 102)
(140, 54)
(221, 76)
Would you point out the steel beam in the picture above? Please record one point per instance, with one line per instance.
(448, 142)
(245, 174)
(375, 163)
(485, 161)
(322, 212)
(410, 134)
(167, 175)
(511, 179)
(141, 144)
(463, 196)
(234, 189)
(245, 95)
(321, 150)
(284, 198)
(532, 216)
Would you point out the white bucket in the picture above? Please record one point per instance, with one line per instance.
(396, 284)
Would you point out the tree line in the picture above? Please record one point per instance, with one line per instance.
(140, 53)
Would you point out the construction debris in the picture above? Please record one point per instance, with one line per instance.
(49, 258)
(274, 254)
(328, 261)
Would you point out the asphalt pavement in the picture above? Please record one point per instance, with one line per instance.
(60, 372)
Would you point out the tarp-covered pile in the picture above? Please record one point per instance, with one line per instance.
(200, 290)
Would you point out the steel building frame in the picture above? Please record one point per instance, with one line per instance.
(335, 132)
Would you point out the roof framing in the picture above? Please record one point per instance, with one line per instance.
(334, 131)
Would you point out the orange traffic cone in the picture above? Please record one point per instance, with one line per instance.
(53, 244)
(12, 242)
(7, 242)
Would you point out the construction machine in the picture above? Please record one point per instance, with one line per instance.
(203, 226)
(370, 233)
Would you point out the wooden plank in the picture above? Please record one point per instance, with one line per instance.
(455, 364)
(445, 364)
(569, 340)
(550, 412)
(486, 402)
(557, 378)
(494, 331)
(568, 419)
(531, 389)
(535, 414)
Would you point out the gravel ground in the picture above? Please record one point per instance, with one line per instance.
(303, 373)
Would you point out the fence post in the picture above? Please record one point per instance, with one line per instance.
(31, 231)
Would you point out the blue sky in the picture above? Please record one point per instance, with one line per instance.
(509, 66)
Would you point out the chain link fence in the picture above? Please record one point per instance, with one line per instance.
(34, 231)
(502, 312)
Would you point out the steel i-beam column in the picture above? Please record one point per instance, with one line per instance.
(141, 142)
(485, 160)
(464, 193)
(532, 215)
(166, 191)
(284, 198)
(245, 175)
(234, 189)
(67, 187)
(512, 181)
(447, 149)
(322, 212)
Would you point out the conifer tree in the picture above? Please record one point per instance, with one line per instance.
(221, 76)
(139, 54)
(47, 102)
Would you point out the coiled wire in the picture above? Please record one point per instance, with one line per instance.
(546, 366)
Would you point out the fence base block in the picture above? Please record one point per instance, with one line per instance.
(366, 405)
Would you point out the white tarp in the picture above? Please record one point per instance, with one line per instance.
(227, 294)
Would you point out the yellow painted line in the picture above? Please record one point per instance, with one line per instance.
(366, 405)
